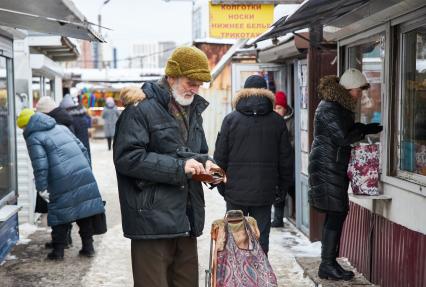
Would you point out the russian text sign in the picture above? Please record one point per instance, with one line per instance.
(240, 21)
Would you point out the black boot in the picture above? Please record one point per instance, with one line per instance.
(328, 269)
(278, 215)
(346, 273)
(87, 250)
(49, 245)
(57, 252)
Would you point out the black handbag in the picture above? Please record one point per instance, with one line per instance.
(99, 223)
(41, 204)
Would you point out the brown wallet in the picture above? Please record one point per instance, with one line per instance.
(215, 176)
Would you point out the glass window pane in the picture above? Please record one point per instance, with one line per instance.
(5, 172)
(369, 59)
(413, 103)
(36, 88)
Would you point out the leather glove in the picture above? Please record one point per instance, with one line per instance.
(359, 126)
(373, 128)
(45, 195)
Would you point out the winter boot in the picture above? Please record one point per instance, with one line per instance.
(346, 273)
(278, 216)
(49, 245)
(87, 250)
(328, 269)
(57, 252)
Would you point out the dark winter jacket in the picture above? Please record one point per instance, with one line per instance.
(253, 148)
(62, 117)
(157, 199)
(81, 125)
(334, 132)
(61, 166)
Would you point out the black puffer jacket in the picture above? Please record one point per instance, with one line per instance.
(62, 117)
(254, 149)
(156, 197)
(81, 125)
(334, 132)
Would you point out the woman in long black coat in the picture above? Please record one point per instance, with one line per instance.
(334, 132)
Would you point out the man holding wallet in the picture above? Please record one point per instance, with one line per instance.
(159, 145)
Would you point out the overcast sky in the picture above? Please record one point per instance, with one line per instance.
(136, 21)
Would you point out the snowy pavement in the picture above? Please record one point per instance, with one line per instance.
(26, 265)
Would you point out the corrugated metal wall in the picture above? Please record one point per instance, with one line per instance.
(398, 254)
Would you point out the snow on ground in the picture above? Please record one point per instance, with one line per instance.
(112, 264)
(25, 230)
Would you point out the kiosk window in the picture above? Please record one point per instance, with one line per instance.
(5, 159)
(412, 131)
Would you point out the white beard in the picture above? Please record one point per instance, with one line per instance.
(180, 99)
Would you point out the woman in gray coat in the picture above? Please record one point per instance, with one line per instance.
(62, 169)
(110, 116)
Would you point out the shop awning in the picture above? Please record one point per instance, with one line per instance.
(310, 13)
(57, 17)
(57, 48)
(43, 66)
(374, 12)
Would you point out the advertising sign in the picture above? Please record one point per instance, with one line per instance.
(240, 21)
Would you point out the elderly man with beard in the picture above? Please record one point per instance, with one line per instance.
(158, 145)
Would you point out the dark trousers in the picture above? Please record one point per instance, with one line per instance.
(262, 214)
(165, 262)
(85, 226)
(334, 223)
(109, 139)
(279, 211)
(59, 232)
(59, 235)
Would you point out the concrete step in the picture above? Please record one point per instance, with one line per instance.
(310, 267)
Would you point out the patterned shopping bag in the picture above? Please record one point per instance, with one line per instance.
(363, 169)
(243, 267)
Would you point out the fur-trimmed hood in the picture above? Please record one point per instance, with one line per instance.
(254, 102)
(131, 96)
(330, 90)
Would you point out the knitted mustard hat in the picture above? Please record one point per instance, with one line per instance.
(188, 62)
(24, 118)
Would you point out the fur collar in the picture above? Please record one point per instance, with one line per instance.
(246, 93)
(330, 90)
(132, 95)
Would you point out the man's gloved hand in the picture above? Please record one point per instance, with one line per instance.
(373, 128)
(45, 195)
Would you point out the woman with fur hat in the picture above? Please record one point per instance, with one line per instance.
(47, 105)
(253, 148)
(334, 132)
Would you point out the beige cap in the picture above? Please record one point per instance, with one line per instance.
(352, 79)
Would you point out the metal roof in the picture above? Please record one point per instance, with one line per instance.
(310, 13)
(58, 17)
(57, 48)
